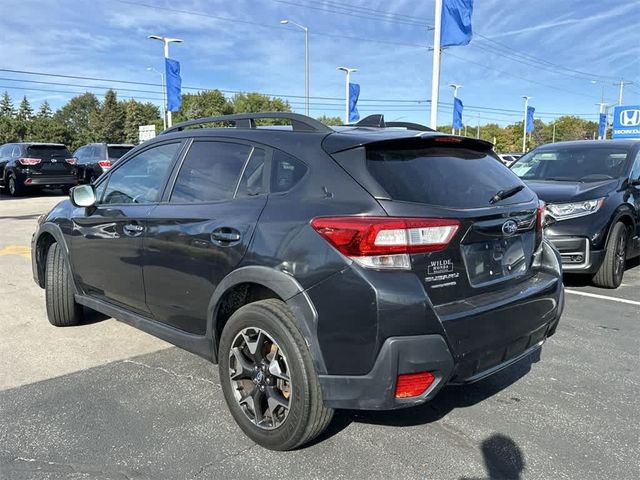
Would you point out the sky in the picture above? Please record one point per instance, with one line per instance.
(565, 54)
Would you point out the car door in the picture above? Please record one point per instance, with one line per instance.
(635, 196)
(201, 231)
(5, 156)
(106, 245)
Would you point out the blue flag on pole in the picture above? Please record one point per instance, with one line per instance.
(457, 113)
(602, 126)
(456, 22)
(530, 125)
(354, 94)
(174, 84)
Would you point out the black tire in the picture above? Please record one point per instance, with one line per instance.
(610, 273)
(62, 310)
(14, 187)
(306, 416)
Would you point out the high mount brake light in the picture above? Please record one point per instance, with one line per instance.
(447, 140)
(104, 163)
(385, 242)
(29, 161)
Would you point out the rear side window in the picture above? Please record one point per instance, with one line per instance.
(441, 176)
(114, 153)
(252, 182)
(210, 172)
(48, 151)
(286, 171)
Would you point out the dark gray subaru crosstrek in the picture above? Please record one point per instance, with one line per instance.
(362, 267)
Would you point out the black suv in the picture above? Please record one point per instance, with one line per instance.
(362, 267)
(25, 166)
(592, 190)
(96, 158)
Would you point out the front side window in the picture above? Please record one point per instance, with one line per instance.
(572, 164)
(635, 171)
(210, 172)
(141, 179)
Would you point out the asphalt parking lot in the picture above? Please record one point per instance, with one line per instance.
(105, 401)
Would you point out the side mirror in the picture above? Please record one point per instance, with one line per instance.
(83, 196)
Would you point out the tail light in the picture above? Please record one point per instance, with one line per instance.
(385, 242)
(29, 161)
(71, 161)
(104, 163)
(540, 216)
(413, 384)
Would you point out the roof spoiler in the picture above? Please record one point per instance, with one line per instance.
(377, 121)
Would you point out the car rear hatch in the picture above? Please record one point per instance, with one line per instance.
(480, 281)
(54, 160)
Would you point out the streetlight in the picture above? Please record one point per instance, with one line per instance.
(306, 62)
(348, 71)
(455, 95)
(524, 128)
(166, 41)
(164, 96)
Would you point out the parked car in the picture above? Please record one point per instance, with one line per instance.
(30, 166)
(508, 158)
(592, 190)
(96, 158)
(361, 267)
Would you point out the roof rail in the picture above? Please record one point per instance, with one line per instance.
(377, 121)
(300, 123)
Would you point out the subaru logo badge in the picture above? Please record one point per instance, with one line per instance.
(630, 118)
(509, 228)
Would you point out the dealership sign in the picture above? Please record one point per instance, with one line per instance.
(626, 121)
(146, 132)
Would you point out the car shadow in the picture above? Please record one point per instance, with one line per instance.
(92, 316)
(449, 398)
(503, 459)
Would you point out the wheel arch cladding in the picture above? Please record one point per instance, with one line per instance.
(252, 283)
(48, 235)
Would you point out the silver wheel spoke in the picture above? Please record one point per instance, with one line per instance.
(276, 371)
(242, 368)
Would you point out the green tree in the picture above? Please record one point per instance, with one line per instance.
(330, 120)
(256, 102)
(76, 114)
(107, 123)
(210, 103)
(8, 130)
(25, 112)
(47, 129)
(44, 111)
(6, 106)
(132, 120)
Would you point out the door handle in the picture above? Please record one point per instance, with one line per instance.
(225, 235)
(133, 229)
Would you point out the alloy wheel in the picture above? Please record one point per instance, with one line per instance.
(12, 185)
(260, 378)
(621, 254)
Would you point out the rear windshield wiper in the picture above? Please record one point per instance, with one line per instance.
(502, 194)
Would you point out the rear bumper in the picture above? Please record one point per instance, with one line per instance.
(45, 180)
(578, 254)
(477, 337)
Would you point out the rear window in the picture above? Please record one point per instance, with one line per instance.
(48, 151)
(115, 153)
(449, 177)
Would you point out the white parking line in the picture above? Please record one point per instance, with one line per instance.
(603, 297)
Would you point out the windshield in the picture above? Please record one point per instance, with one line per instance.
(572, 164)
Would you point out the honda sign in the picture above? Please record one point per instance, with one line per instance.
(626, 121)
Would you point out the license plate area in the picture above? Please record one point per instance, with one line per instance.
(494, 260)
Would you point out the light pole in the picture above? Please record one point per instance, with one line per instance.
(455, 95)
(622, 84)
(524, 127)
(348, 72)
(435, 72)
(164, 97)
(166, 41)
(306, 62)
